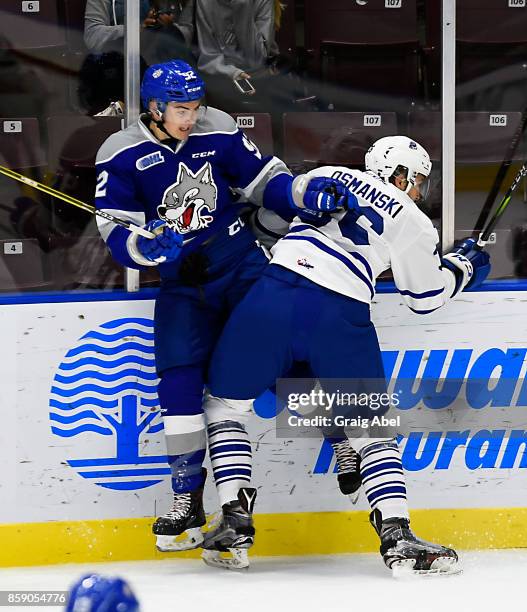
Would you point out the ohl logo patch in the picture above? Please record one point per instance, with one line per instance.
(104, 398)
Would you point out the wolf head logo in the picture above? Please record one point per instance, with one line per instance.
(188, 199)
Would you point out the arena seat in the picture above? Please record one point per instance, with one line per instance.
(72, 12)
(72, 146)
(75, 139)
(84, 262)
(481, 137)
(30, 25)
(345, 48)
(333, 138)
(491, 54)
(21, 265)
(491, 21)
(257, 126)
(20, 143)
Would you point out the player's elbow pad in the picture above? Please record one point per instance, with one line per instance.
(462, 270)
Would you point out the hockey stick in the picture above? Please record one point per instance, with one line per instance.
(131, 227)
(500, 176)
(484, 237)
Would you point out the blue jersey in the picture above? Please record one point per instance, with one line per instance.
(194, 187)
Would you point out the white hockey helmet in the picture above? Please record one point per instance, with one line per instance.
(392, 153)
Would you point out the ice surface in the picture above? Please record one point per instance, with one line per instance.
(491, 580)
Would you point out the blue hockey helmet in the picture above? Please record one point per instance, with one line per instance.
(173, 81)
(96, 593)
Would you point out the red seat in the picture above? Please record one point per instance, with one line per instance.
(351, 22)
(347, 49)
(481, 137)
(333, 138)
(257, 126)
(491, 21)
(20, 143)
(73, 143)
(75, 139)
(73, 15)
(491, 54)
(21, 265)
(84, 262)
(30, 25)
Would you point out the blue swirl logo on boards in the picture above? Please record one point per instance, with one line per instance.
(105, 393)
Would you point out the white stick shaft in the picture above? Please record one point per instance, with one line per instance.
(136, 229)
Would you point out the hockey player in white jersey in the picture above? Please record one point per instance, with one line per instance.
(312, 307)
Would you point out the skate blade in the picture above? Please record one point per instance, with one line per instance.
(354, 497)
(442, 566)
(238, 561)
(188, 540)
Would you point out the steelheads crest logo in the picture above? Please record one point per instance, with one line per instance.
(104, 395)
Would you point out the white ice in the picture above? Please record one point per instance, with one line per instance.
(491, 580)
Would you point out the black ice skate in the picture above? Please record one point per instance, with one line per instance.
(234, 533)
(403, 552)
(348, 466)
(184, 518)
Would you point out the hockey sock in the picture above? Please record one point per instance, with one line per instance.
(185, 468)
(180, 396)
(383, 478)
(231, 458)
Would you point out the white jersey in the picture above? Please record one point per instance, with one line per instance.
(346, 254)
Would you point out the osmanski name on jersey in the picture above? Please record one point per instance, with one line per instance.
(346, 254)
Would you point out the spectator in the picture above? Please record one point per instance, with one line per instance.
(236, 37)
(104, 22)
(239, 57)
(167, 32)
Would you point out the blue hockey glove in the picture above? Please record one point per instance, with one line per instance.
(480, 261)
(325, 194)
(165, 247)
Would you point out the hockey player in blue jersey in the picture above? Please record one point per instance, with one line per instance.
(178, 171)
(312, 307)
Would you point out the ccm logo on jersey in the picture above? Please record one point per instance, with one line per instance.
(149, 160)
(203, 154)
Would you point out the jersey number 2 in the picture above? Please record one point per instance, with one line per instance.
(102, 179)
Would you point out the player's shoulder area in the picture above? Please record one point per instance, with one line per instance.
(120, 142)
(329, 171)
(411, 227)
(417, 219)
(215, 122)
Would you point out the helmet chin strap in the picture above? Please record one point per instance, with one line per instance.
(160, 124)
